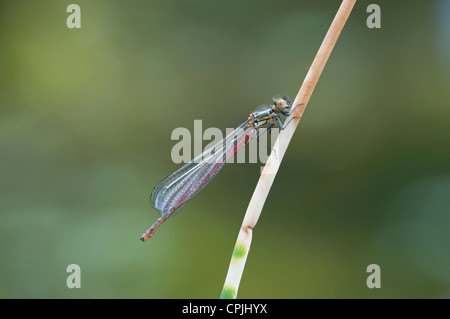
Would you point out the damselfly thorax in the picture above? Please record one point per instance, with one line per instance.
(269, 115)
(170, 195)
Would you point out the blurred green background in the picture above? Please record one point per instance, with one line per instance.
(85, 123)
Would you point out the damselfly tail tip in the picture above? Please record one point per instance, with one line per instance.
(144, 237)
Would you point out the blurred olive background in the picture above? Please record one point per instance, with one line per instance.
(85, 133)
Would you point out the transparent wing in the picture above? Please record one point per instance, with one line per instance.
(175, 190)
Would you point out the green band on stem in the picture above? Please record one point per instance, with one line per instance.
(240, 250)
(228, 293)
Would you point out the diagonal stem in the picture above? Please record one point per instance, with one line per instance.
(268, 174)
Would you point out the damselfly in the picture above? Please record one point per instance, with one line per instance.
(170, 195)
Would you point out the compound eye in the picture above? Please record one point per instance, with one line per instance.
(280, 102)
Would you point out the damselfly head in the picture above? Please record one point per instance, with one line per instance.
(282, 104)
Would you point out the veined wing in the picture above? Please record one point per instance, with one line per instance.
(175, 190)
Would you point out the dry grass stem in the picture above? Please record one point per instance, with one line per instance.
(258, 199)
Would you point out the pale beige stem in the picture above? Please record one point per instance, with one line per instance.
(258, 199)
